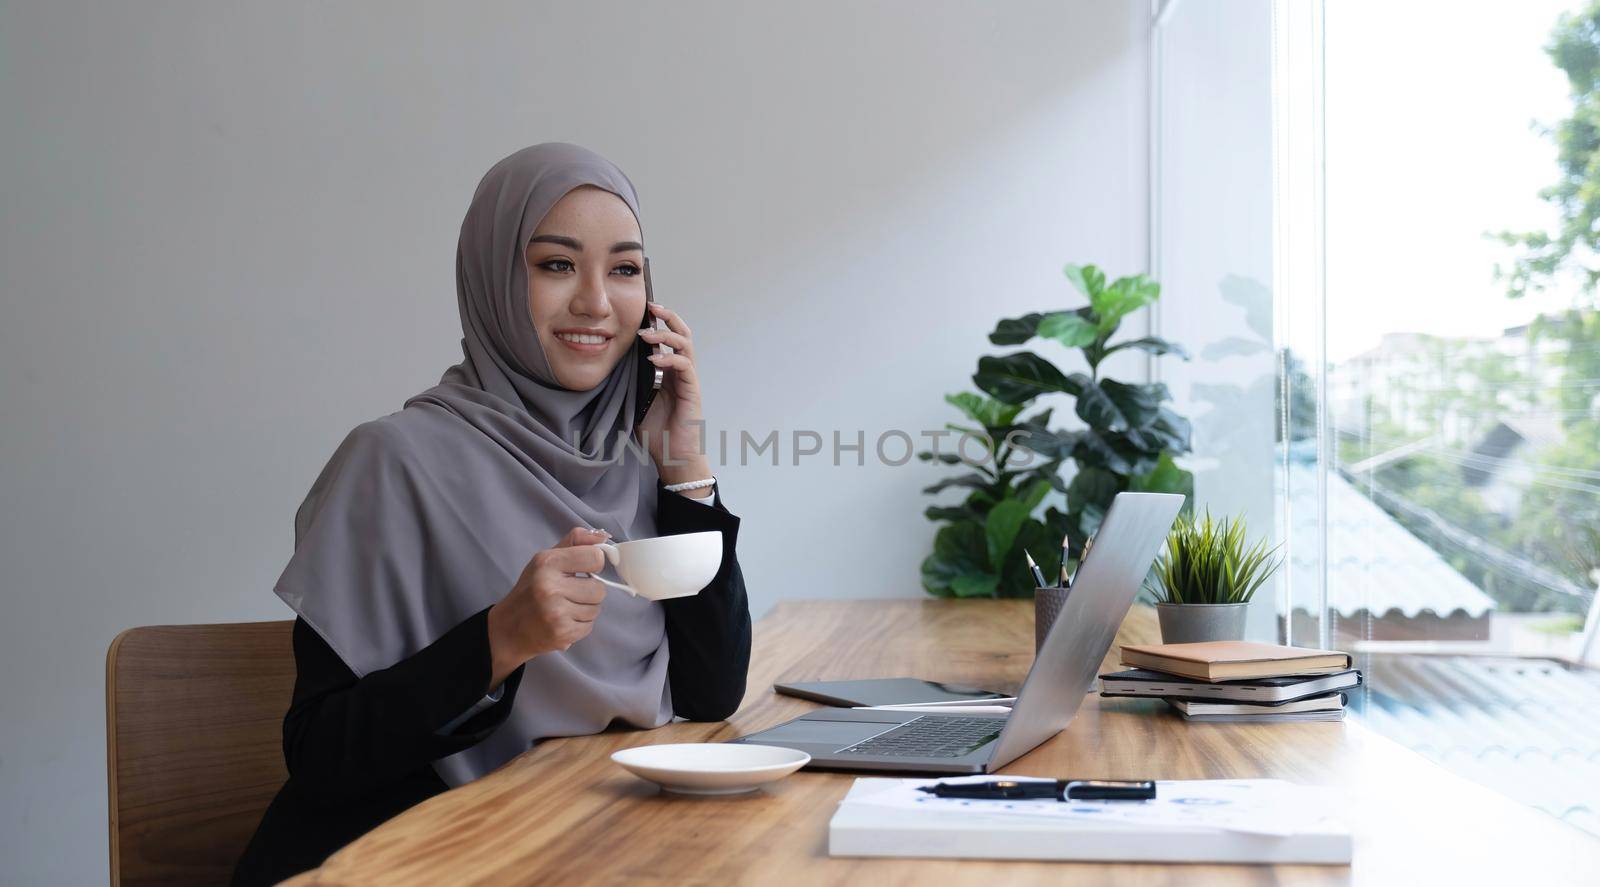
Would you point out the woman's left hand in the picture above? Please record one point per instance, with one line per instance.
(673, 428)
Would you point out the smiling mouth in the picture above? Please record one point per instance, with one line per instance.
(587, 343)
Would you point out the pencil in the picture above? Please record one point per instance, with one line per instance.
(1082, 556)
(1038, 574)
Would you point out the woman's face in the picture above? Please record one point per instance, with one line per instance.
(586, 285)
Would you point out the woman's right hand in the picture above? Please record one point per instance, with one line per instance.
(549, 608)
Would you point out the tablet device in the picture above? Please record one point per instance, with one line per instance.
(886, 691)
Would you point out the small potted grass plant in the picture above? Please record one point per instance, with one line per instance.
(1205, 578)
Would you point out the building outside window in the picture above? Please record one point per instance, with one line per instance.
(1391, 249)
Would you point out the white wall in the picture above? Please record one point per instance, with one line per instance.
(229, 236)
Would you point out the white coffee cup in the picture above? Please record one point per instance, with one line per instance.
(665, 566)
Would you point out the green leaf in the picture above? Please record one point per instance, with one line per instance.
(1097, 451)
(1093, 486)
(1116, 406)
(1087, 278)
(971, 481)
(1115, 452)
(1151, 345)
(1056, 524)
(1039, 421)
(1053, 445)
(1001, 529)
(1168, 431)
(961, 544)
(985, 411)
(1034, 493)
(937, 576)
(1140, 459)
(1015, 331)
(1006, 518)
(1049, 474)
(1175, 428)
(958, 550)
(944, 458)
(1166, 477)
(1123, 297)
(975, 584)
(952, 513)
(1070, 328)
(1018, 378)
(1085, 520)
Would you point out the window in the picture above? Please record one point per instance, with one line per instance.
(1397, 363)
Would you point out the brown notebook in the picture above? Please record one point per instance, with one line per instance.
(1233, 660)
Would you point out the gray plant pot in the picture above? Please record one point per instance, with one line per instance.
(1046, 604)
(1192, 623)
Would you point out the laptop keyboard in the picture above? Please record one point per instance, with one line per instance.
(930, 737)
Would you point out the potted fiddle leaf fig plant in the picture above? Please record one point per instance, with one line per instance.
(1125, 439)
(1205, 577)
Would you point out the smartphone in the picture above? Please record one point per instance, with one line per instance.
(650, 375)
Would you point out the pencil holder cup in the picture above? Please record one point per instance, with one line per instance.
(1046, 605)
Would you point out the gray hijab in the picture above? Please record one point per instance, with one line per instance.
(425, 516)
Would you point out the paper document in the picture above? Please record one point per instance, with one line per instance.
(1257, 806)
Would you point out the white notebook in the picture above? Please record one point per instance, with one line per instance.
(1240, 821)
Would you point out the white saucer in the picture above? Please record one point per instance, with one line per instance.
(710, 768)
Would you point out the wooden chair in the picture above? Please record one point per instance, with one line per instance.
(194, 745)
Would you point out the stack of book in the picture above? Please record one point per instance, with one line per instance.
(1237, 680)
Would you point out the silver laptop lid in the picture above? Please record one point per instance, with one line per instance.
(1126, 545)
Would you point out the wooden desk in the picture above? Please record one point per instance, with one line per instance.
(563, 813)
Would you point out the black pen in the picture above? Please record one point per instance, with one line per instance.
(1058, 789)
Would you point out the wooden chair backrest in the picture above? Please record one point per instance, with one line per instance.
(194, 745)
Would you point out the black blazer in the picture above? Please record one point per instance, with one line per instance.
(359, 750)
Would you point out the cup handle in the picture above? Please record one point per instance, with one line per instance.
(613, 556)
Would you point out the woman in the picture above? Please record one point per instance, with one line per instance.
(447, 618)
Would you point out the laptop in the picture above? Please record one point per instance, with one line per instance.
(1063, 671)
